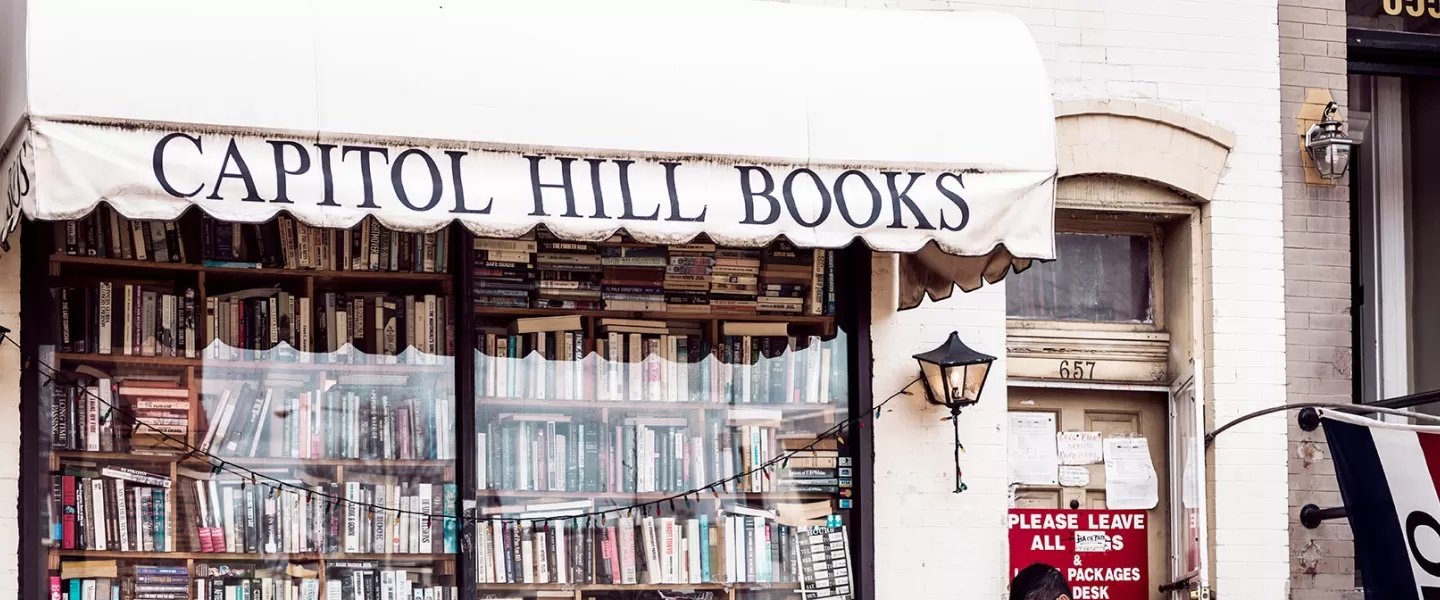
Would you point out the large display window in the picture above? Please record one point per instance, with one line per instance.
(275, 411)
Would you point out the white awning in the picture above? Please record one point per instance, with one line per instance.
(668, 119)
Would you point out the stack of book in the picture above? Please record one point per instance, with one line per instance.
(383, 325)
(106, 580)
(541, 358)
(565, 453)
(735, 281)
(558, 452)
(569, 274)
(766, 365)
(749, 440)
(106, 234)
(638, 360)
(252, 320)
(786, 273)
(285, 243)
(621, 274)
(127, 319)
(505, 272)
(230, 581)
(299, 419)
(363, 579)
(82, 417)
(250, 323)
(822, 286)
(559, 552)
(97, 415)
(745, 545)
(667, 454)
(652, 361)
(161, 412)
(159, 583)
(687, 278)
(758, 549)
(112, 508)
(538, 451)
(815, 468)
(235, 515)
(634, 276)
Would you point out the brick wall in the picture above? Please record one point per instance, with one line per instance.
(1217, 61)
(10, 422)
(1317, 296)
(925, 534)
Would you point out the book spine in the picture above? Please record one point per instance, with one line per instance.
(105, 318)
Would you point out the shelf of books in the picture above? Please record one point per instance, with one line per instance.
(274, 412)
(251, 411)
(618, 374)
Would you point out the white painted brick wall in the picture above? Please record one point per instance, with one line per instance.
(10, 423)
(1218, 60)
(929, 541)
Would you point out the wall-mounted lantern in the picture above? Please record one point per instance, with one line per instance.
(954, 376)
(1328, 145)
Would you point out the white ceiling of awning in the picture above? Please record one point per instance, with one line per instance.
(719, 82)
(741, 78)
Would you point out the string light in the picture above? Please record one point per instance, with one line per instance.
(218, 464)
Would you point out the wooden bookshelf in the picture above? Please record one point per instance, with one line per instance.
(454, 569)
(182, 501)
(638, 587)
(106, 457)
(625, 408)
(650, 496)
(795, 410)
(290, 556)
(106, 266)
(499, 311)
(219, 365)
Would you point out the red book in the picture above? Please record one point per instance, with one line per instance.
(207, 543)
(67, 517)
(613, 554)
(402, 435)
(55, 588)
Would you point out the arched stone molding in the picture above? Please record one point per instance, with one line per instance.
(1144, 141)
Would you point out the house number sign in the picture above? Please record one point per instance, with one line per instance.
(1414, 8)
(1077, 369)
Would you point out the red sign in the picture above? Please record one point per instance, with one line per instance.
(1101, 552)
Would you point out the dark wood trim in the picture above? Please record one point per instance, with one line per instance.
(1392, 69)
(1385, 40)
(465, 398)
(854, 281)
(1357, 285)
(38, 328)
(1380, 52)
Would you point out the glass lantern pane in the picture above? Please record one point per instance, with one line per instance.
(975, 380)
(1341, 158)
(934, 380)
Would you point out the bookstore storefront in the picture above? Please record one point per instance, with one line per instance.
(447, 319)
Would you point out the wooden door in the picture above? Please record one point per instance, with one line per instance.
(1113, 414)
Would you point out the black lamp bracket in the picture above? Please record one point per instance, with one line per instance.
(1330, 109)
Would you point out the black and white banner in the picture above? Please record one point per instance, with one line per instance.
(64, 169)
